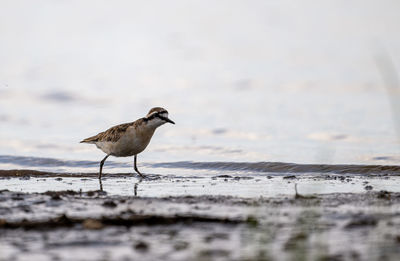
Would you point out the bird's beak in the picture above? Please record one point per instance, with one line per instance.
(170, 121)
(167, 120)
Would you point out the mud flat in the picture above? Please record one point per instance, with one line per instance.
(94, 225)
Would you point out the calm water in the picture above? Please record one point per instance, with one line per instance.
(244, 81)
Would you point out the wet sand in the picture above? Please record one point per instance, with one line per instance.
(63, 225)
(345, 217)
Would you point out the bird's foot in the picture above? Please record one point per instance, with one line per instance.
(141, 176)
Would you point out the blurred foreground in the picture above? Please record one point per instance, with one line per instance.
(68, 225)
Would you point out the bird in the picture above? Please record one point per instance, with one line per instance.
(129, 139)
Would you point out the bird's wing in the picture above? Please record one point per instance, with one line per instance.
(113, 134)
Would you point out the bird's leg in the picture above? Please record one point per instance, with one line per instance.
(101, 167)
(135, 167)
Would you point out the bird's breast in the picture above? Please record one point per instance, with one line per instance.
(133, 142)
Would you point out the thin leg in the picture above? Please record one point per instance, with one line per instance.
(135, 167)
(101, 166)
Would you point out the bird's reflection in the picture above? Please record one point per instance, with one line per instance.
(101, 185)
(135, 187)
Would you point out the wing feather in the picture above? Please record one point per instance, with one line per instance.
(113, 134)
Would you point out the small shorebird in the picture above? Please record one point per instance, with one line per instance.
(129, 139)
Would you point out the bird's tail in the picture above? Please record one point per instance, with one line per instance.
(88, 140)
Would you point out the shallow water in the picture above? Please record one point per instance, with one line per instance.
(241, 179)
(251, 187)
(259, 179)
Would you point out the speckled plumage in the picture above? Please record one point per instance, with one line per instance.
(114, 133)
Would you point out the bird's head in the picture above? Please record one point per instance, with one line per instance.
(157, 116)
